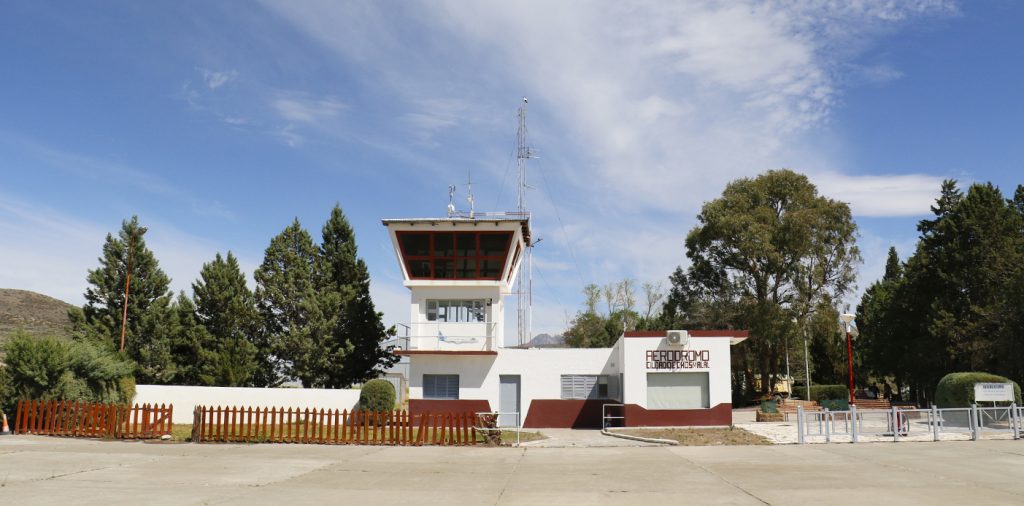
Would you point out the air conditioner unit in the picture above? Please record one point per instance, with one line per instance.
(677, 337)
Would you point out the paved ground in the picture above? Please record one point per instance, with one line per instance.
(39, 470)
(572, 438)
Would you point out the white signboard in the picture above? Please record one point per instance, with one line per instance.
(991, 392)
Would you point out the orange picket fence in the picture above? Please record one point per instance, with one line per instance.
(88, 419)
(312, 426)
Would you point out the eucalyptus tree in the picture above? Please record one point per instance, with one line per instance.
(778, 250)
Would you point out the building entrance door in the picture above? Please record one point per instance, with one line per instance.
(508, 400)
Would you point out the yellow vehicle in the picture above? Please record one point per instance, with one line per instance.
(781, 390)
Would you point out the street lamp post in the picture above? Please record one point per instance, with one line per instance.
(807, 365)
(807, 362)
(847, 319)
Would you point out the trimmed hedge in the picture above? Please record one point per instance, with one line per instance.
(835, 404)
(956, 389)
(829, 392)
(377, 395)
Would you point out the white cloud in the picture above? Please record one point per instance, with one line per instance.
(890, 195)
(53, 251)
(302, 109)
(650, 108)
(215, 79)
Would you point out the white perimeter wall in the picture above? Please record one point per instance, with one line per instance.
(186, 398)
(634, 361)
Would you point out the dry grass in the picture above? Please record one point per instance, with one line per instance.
(701, 437)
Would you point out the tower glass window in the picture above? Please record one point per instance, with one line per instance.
(457, 311)
(455, 255)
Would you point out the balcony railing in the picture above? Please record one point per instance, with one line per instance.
(455, 336)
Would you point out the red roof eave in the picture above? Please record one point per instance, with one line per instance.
(693, 333)
(408, 353)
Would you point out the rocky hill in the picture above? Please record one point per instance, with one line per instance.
(32, 312)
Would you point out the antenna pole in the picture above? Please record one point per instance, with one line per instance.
(524, 287)
(469, 198)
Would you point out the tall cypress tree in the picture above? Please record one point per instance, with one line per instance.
(355, 349)
(105, 294)
(226, 308)
(295, 323)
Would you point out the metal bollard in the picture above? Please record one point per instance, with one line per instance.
(853, 415)
(1013, 420)
(974, 422)
(895, 423)
(935, 422)
(800, 424)
(828, 431)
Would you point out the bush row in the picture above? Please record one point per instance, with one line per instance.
(828, 392)
(956, 390)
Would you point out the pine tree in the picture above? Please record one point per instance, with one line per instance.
(153, 344)
(355, 350)
(105, 294)
(190, 344)
(226, 309)
(294, 327)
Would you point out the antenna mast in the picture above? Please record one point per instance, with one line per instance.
(524, 284)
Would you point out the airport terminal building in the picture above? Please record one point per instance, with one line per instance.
(460, 270)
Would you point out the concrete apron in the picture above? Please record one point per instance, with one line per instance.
(581, 438)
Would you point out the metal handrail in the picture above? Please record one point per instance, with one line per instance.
(605, 417)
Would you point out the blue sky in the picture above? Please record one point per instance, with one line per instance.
(217, 123)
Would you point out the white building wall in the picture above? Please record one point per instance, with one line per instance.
(540, 371)
(186, 398)
(635, 366)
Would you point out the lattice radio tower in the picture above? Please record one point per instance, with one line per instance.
(524, 282)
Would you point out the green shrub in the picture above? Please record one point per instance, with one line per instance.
(835, 404)
(52, 368)
(769, 407)
(956, 390)
(826, 392)
(377, 395)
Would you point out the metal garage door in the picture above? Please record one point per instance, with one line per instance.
(677, 390)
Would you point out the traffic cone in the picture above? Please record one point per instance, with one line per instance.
(7, 428)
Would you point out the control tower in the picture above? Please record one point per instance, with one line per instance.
(459, 270)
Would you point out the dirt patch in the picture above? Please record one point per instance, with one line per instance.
(702, 437)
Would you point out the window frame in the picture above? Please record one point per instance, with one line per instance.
(455, 259)
(594, 391)
(473, 307)
(447, 387)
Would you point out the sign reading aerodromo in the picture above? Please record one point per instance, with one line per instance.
(678, 359)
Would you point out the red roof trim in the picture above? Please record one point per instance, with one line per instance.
(720, 333)
(442, 352)
(645, 333)
(693, 333)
